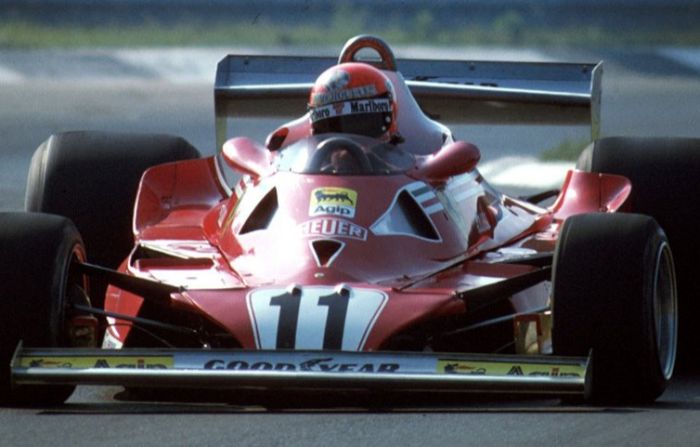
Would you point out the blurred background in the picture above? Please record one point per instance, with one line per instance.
(148, 66)
(579, 23)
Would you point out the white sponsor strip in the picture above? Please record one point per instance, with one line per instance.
(526, 172)
(425, 196)
(434, 208)
(350, 108)
(364, 91)
(414, 186)
(327, 362)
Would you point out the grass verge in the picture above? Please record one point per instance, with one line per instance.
(22, 34)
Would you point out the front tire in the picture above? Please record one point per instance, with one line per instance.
(665, 185)
(614, 292)
(37, 252)
(92, 178)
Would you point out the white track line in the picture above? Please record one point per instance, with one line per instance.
(8, 75)
(689, 57)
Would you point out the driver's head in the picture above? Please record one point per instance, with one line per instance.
(353, 98)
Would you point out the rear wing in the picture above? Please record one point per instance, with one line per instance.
(451, 91)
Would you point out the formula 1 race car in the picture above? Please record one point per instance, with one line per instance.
(333, 260)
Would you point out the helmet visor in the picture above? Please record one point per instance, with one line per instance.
(368, 124)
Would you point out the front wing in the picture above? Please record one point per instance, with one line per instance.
(237, 369)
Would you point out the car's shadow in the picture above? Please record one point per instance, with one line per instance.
(251, 402)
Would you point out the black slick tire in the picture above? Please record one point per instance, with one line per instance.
(36, 254)
(664, 173)
(614, 293)
(92, 178)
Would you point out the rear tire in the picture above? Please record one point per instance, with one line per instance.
(614, 292)
(665, 184)
(92, 178)
(36, 254)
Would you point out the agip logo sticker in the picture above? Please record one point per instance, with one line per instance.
(448, 366)
(333, 201)
(78, 362)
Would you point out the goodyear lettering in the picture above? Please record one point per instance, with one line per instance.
(261, 366)
(313, 365)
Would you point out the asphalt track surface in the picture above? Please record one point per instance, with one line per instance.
(648, 99)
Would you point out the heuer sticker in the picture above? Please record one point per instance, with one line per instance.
(330, 226)
(145, 362)
(333, 201)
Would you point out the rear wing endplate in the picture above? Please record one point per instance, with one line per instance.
(451, 91)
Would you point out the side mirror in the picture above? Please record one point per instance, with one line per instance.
(454, 159)
(247, 156)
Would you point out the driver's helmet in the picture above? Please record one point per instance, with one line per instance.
(353, 98)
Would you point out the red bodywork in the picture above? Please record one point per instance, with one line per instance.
(214, 244)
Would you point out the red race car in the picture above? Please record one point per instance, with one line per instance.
(359, 248)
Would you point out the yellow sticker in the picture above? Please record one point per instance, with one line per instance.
(448, 366)
(333, 201)
(145, 362)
